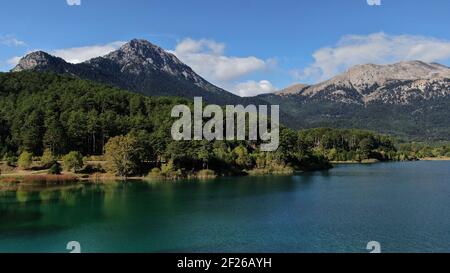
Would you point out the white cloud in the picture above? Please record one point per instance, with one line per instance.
(81, 54)
(13, 61)
(378, 48)
(253, 88)
(191, 46)
(76, 54)
(374, 2)
(10, 40)
(207, 58)
(73, 2)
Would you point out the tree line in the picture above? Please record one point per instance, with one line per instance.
(47, 113)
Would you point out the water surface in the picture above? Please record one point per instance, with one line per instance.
(404, 206)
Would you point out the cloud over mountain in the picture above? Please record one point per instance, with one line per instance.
(377, 48)
(208, 58)
(81, 54)
(254, 88)
(77, 55)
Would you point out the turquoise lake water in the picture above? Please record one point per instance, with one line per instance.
(403, 206)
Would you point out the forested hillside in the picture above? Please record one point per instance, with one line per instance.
(40, 111)
(410, 100)
(48, 111)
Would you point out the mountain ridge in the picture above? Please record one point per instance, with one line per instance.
(398, 83)
(408, 99)
(138, 66)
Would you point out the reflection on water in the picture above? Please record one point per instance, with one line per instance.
(28, 208)
(404, 206)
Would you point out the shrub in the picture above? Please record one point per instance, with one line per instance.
(168, 167)
(48, 159)
(93, 168)
(25, 160)
(55, 169)
(242, 158)
(155, 173)
(11, 160)
(73, 161)
(206, 174)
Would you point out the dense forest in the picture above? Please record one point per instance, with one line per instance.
(350, 144)
(39, 111)
(44, 113)
(422, 121)
(425, 150)
(47, 112)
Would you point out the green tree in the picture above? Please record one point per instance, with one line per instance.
(5, 136)
(183, 154)
(47, 159)
(242, 158)
(25, 160)
(76, 122)
(168, 167)
(158, 141)
(222, 152)
(55, 137)
(122, 154)
(31, 132)
(366, 145)
(93, 127)
(260, 160)
(73, 161)
(137, 106)
(55, 169)
(11, 159)
(332, 154)
(204, 154)
(144, 150)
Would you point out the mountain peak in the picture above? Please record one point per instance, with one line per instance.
(139, 55)
(138, 66)
(398, 83)
(136, 43)
(406, 70)
(38, 54)
(140, 47)
(38, 60)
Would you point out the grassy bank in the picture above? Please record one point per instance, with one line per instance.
(12, 177)
(444, 158)
(365, 161)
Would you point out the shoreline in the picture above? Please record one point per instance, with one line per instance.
(445, 158)
(377, 161)
(365, 161)
(18, 178)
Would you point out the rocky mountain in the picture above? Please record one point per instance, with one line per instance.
(292, 90)
(400, 83)
(409, 99)
(137, 66)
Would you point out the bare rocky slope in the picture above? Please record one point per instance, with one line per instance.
(400, 83)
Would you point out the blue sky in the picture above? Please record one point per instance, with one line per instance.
(246, 46)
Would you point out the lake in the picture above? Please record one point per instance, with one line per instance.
(404, 206)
